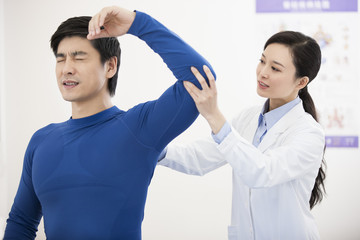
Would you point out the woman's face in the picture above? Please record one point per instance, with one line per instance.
(276, 76)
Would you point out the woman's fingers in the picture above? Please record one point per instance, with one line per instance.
(207, 91)
(200, 78)
(192, 90)
(210, 76)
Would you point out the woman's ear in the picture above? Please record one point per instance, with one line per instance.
(303, 82)
(111, 67)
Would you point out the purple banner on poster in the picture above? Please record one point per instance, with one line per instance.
(271, 6)
(342, 141)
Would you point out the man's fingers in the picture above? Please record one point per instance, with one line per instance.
(96, 24)
(92, 26)
(102, 18)
(103, 34)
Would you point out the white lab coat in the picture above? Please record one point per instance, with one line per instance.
(272, 184)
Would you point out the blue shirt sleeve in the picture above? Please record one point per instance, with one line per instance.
(157, 122)
(26, 211)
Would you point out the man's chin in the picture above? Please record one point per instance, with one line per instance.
(69, 99)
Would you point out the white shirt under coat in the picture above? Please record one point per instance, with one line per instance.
(272, 183)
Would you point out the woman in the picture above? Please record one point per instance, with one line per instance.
(276, 151)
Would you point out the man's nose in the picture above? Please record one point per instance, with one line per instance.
(68, 68)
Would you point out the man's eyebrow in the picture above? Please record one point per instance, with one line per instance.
(72, 54)
(59, 55)
(78, 53)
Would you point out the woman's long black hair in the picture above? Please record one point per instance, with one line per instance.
(306, 55)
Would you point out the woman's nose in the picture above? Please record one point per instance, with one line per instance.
(264, 72)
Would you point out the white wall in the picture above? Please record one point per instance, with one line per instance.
(178, 206)
(3, 178)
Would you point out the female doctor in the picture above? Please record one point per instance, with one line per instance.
(276, 150)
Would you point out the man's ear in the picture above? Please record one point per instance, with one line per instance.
(111, 67)
(303, 81)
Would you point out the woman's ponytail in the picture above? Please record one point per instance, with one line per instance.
(319, 187)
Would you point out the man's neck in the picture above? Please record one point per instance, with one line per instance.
(85, 109)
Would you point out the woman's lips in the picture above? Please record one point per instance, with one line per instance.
(262, 85)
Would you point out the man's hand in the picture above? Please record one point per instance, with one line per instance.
(110, 22)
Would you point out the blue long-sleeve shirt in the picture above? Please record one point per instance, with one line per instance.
(89, 177)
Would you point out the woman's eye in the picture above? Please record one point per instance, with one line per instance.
(262, 61)
(275, 69)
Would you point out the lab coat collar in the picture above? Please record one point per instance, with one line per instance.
(284, 123)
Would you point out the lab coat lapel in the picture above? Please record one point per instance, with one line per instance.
(250, 129)
(284, 123)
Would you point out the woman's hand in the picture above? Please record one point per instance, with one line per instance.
(206, 99)
(110, 22)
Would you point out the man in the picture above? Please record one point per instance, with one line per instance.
(89, 176)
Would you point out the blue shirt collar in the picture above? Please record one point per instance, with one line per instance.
(271, 117)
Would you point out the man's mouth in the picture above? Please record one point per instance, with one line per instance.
(70, 83)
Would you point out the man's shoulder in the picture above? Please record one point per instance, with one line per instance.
(50, 127)
(41, 133)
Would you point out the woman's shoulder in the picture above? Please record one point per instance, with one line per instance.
(301, 121)
(248, 113)
(309, 122)
(244, 119)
